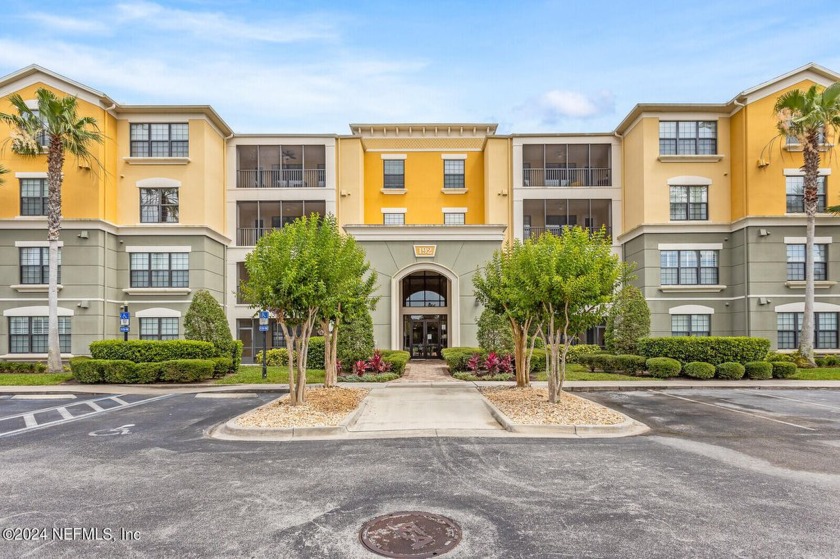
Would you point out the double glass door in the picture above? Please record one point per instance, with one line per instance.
(425, 335)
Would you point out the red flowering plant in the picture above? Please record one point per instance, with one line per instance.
(492, 363)
(359, 367)
(377, 364)
(474, 364)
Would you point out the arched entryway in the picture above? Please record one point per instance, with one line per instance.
(424, 307)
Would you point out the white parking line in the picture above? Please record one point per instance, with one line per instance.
(64, 413)
(43, 397)
(119, 400)
(29, 420)
(94, 405)
(737, 411)
(835, 408)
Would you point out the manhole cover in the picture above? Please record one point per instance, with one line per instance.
(410, 534)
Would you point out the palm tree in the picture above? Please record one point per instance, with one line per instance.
(809, 116)
(56, 127)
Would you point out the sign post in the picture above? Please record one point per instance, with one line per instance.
(264, 330)
(125, 319)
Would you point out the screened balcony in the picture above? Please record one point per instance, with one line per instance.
(566, 165)
(254, 220)
(554, 216)
(288, 166)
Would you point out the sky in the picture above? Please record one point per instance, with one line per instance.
(315, 67)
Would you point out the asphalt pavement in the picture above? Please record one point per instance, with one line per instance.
(722, 473)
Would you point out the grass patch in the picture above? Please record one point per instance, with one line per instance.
(817, 374)
(34, 379)
(252, 374)
(579, 372)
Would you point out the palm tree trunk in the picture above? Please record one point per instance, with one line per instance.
(55, 162)
(811, 167)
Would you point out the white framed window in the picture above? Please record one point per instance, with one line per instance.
(35, 265)
(453, 173)
(153, 328)
(28, 334)
(160, 140)
(160, 269)
(795, 193)
(796, 262)
(451, 218)
(687, 137)
(393, 218)
(159, 205)
(689, 203)
(688, 267)
(394, 173)
(789, 327)
(34, 196)
(691, 325)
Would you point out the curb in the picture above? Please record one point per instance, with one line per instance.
(229, 430)
(627, 428)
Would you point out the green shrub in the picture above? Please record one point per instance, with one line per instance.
(759, 370)
(152, 351)
(355, 340)
(85, 370)
(238, 348)
(698, 369)
(628, 364)
(775, 356)
(831, 360)
(277, 357)
(713, 349)
(782, 369)
(663, 367)
(186, 370)
(147, 372)
(628, 320)
(456, 357)
(315, 357)
(538, 360)
(579, 350)
(732, 371)
(397, 359)
(591, 361)
(381, 377)
(118, 371)
(471, 377)
(222, 366)
(494, 333)
(22, 367)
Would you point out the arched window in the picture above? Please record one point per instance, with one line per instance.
(424, 289)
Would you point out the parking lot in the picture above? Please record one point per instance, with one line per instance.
(722, 473)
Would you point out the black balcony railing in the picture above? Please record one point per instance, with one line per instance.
(591, 176)
(281, 178)
(535, 232)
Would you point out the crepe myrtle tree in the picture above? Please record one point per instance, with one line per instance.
(812, 117)
(574, 278)
(56, 128)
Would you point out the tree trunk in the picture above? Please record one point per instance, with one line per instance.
(329, 359)
(518, 352)
(566, 343)
(811, 168)
(291, 346)
(551, 358)
(55, 162)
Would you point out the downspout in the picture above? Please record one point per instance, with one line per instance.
(747, 327)
(104, 231)
(225, 293)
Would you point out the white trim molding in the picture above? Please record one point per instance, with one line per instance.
(161, 248)
(691, 309)
(36, 244)
(454, 210)
(692, 288)
(800, 307)
(158, 182)
(823, 172)
(36, 311)
(396, 156)
(455, 156)
(426, 233)
(158, 291)
(690, 246)
(158, 312)
(688, 180)
(394, 210)
(31, 175)
(803, 240)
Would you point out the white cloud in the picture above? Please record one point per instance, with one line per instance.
(66, 24)
(557, 104)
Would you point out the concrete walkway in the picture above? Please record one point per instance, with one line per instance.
(432, 370)
(458, 406)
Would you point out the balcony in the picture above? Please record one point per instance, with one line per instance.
(601, 176)
(257, 219)
(556, 230)
(248, 236)
(280, 178)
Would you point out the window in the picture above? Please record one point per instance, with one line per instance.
(795, 188)
(689, 203)
(160, 140)
(424, 289)
(691, 325)
(453, 173)
(687, 138)
(566, 165)
(158, 328)
(789, 326)
(796, 262)
(160, 269)
(688, 267)
(28, 334)
(158, 205)
(454, 218)
(393, 219)
(41, 137)
(794, 141)
(35, 265)
(33, 197)
(394, 173)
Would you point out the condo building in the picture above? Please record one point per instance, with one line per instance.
(697, 195)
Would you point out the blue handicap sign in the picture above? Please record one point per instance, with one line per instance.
(264, 314)
(263, 327)
(125, 315)
(124, 329)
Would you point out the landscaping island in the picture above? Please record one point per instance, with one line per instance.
(324, 407)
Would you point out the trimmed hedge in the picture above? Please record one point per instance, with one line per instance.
(732, 371)
(627, 364)
(21, 367)
(775, 356)
(759, 370)
(698, 369)
(381, 377)
(471, 377)
(593, 361)
(579, 350)
(186, 370)
(222, 366)
(456, 357)
(86, 370)
(238, 348)
(152, 351)
(782, 369)
(121, 371)
(315, 357)
(277, 357)
(828, 361)
(663, 367)
(711, 349)
(397, 359)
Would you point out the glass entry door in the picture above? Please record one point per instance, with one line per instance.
(426, 335)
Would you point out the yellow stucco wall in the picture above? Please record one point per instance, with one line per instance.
(765, 187)
(423, 197)
(350, 181)
(84, 191)
(497, 181)
(633, 172)
(202, 194)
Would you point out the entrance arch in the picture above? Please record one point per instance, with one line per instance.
(417, 304)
